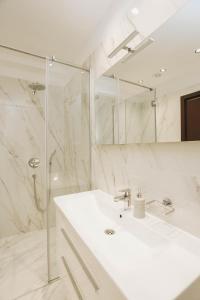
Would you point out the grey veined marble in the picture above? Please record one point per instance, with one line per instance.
(160, 170)
(21, 137)
(23, 264)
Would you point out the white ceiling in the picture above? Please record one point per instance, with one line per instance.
(51, 27)
(173, 49)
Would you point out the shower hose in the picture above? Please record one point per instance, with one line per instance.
(37, 200)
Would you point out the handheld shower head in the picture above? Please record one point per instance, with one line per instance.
(51, 156)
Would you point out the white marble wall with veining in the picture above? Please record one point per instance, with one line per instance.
(104, 118)
(21, 137)
(56, 136)
(131, 120)
(139, 119)
(77, 134)
(68, 145)
(161, 170)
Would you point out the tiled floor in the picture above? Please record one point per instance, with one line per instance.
(53, 291)
(23, 268)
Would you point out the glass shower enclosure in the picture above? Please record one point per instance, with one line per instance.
(45, 152)
(67, 140)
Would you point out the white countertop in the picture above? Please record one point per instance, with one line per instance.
(148, 259)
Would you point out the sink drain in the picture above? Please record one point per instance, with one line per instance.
(109, 231)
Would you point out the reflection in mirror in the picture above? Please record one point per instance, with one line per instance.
(124, 112)
(171, 66)
(136, 114)
(177, 41)
(106, 131)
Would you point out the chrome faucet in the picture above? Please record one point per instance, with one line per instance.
(125, 196)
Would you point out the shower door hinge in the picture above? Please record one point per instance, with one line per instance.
(153, 103)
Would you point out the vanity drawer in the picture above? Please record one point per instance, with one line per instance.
(73, 291)
(82, 279)
(92, 280)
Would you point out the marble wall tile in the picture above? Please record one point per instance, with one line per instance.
(139, 119)
(133, 122)
(124, 118)
(104, 118)
(56, 138)
(56, 183)
(21, 137)
(161, 170)
(23, 264)
(55, 290)
(68, 145)
(77, 133)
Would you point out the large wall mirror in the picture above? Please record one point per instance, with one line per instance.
(155, 93)
(124, 112)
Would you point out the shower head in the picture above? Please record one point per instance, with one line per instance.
(36, 87)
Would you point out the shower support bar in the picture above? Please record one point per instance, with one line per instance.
(131, 82)
(43, 57)
(71, 65)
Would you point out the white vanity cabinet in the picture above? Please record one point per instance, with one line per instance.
(84, 277)
(105, 253)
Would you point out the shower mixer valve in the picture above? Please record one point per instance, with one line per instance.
(34, 162)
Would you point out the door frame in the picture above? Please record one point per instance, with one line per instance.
(184, 100)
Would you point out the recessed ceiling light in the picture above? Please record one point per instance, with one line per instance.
(197, 51)
(163, 70)
(141, 81)
(135, 11)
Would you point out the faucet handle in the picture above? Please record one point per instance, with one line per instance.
(127, 192)
(167, 202)
(126, 197)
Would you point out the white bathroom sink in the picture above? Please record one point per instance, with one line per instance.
(147, 258)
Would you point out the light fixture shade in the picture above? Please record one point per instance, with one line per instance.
(140, 47)
(123, 44)
(163, 70)
(135, 11)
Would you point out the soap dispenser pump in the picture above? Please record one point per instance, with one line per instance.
(139, 205)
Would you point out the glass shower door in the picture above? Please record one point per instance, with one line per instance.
(22, 189)
(67, 141)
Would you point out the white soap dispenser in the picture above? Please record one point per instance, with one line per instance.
(139, 205)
